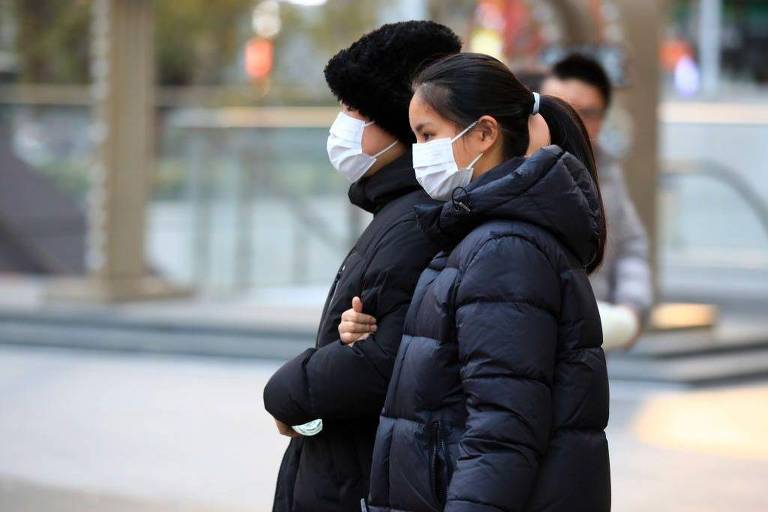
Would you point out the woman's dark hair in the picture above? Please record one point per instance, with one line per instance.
(466, 86)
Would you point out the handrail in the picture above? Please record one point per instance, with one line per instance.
(723, 174)
(306, 224)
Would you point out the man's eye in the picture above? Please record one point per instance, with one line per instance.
(427, 136)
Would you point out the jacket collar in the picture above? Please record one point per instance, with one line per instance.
(390, 182)
(551, 189)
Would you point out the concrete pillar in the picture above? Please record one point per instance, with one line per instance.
(123, 96)
(710, 22)
(643, 23)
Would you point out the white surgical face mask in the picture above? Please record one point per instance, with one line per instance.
(345, 147)
(436, 168)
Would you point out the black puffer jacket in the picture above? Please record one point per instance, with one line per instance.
(346, 386)
(499, 395)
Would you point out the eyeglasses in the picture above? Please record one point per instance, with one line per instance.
(591, 114)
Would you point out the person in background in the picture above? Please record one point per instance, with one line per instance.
(623, 284)
(328, 398)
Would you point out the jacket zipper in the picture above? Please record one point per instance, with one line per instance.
(329, 302)
(440, 492)
(336, 283)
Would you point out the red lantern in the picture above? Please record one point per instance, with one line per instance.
(259, 58)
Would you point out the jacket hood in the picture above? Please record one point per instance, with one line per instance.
(390, 182)
(551, 189)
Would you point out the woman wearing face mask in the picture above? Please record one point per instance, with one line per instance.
(499, 395)
(328, 399)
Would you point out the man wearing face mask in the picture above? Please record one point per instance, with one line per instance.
(328, 398)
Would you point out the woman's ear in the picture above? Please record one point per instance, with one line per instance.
(488, 129)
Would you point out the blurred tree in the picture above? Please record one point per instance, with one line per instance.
(52, 40)
(196, 39)
(309, 37)
(337, 24)
(457, 14)
(199, 42)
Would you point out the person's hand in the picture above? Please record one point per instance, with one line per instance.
(285, 430)
(638, 327)
(621, 325)
(355, 325)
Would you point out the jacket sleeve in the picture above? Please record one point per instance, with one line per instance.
(632, 270)
(507, 306)
(337, 381)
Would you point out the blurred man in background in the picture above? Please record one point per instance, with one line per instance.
(622, 285)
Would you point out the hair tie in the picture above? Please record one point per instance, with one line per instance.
(536, 103)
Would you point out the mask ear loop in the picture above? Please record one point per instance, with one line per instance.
(473, 162)
(377, 155)
(465, 130)
(457, 137)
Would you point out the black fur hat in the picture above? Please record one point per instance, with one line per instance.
(374, 75)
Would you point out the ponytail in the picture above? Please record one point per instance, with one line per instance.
(567, 131)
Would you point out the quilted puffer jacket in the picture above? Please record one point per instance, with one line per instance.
(499, 395)
(346, 386)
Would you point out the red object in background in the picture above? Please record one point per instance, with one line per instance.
(672, 50)
(259, 58)
(522, 40)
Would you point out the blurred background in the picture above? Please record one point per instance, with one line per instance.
(170, 225)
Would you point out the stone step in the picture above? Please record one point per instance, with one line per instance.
(701, 342)
(148, 340)
(693, 369)
(735, 350)
(113, 319)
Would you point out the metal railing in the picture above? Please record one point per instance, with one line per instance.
(234, 132)
(675, 169)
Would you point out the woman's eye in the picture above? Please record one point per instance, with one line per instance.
(427, 136)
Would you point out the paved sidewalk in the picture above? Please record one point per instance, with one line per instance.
(88, 431)
(156, 430)
(22, 496)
